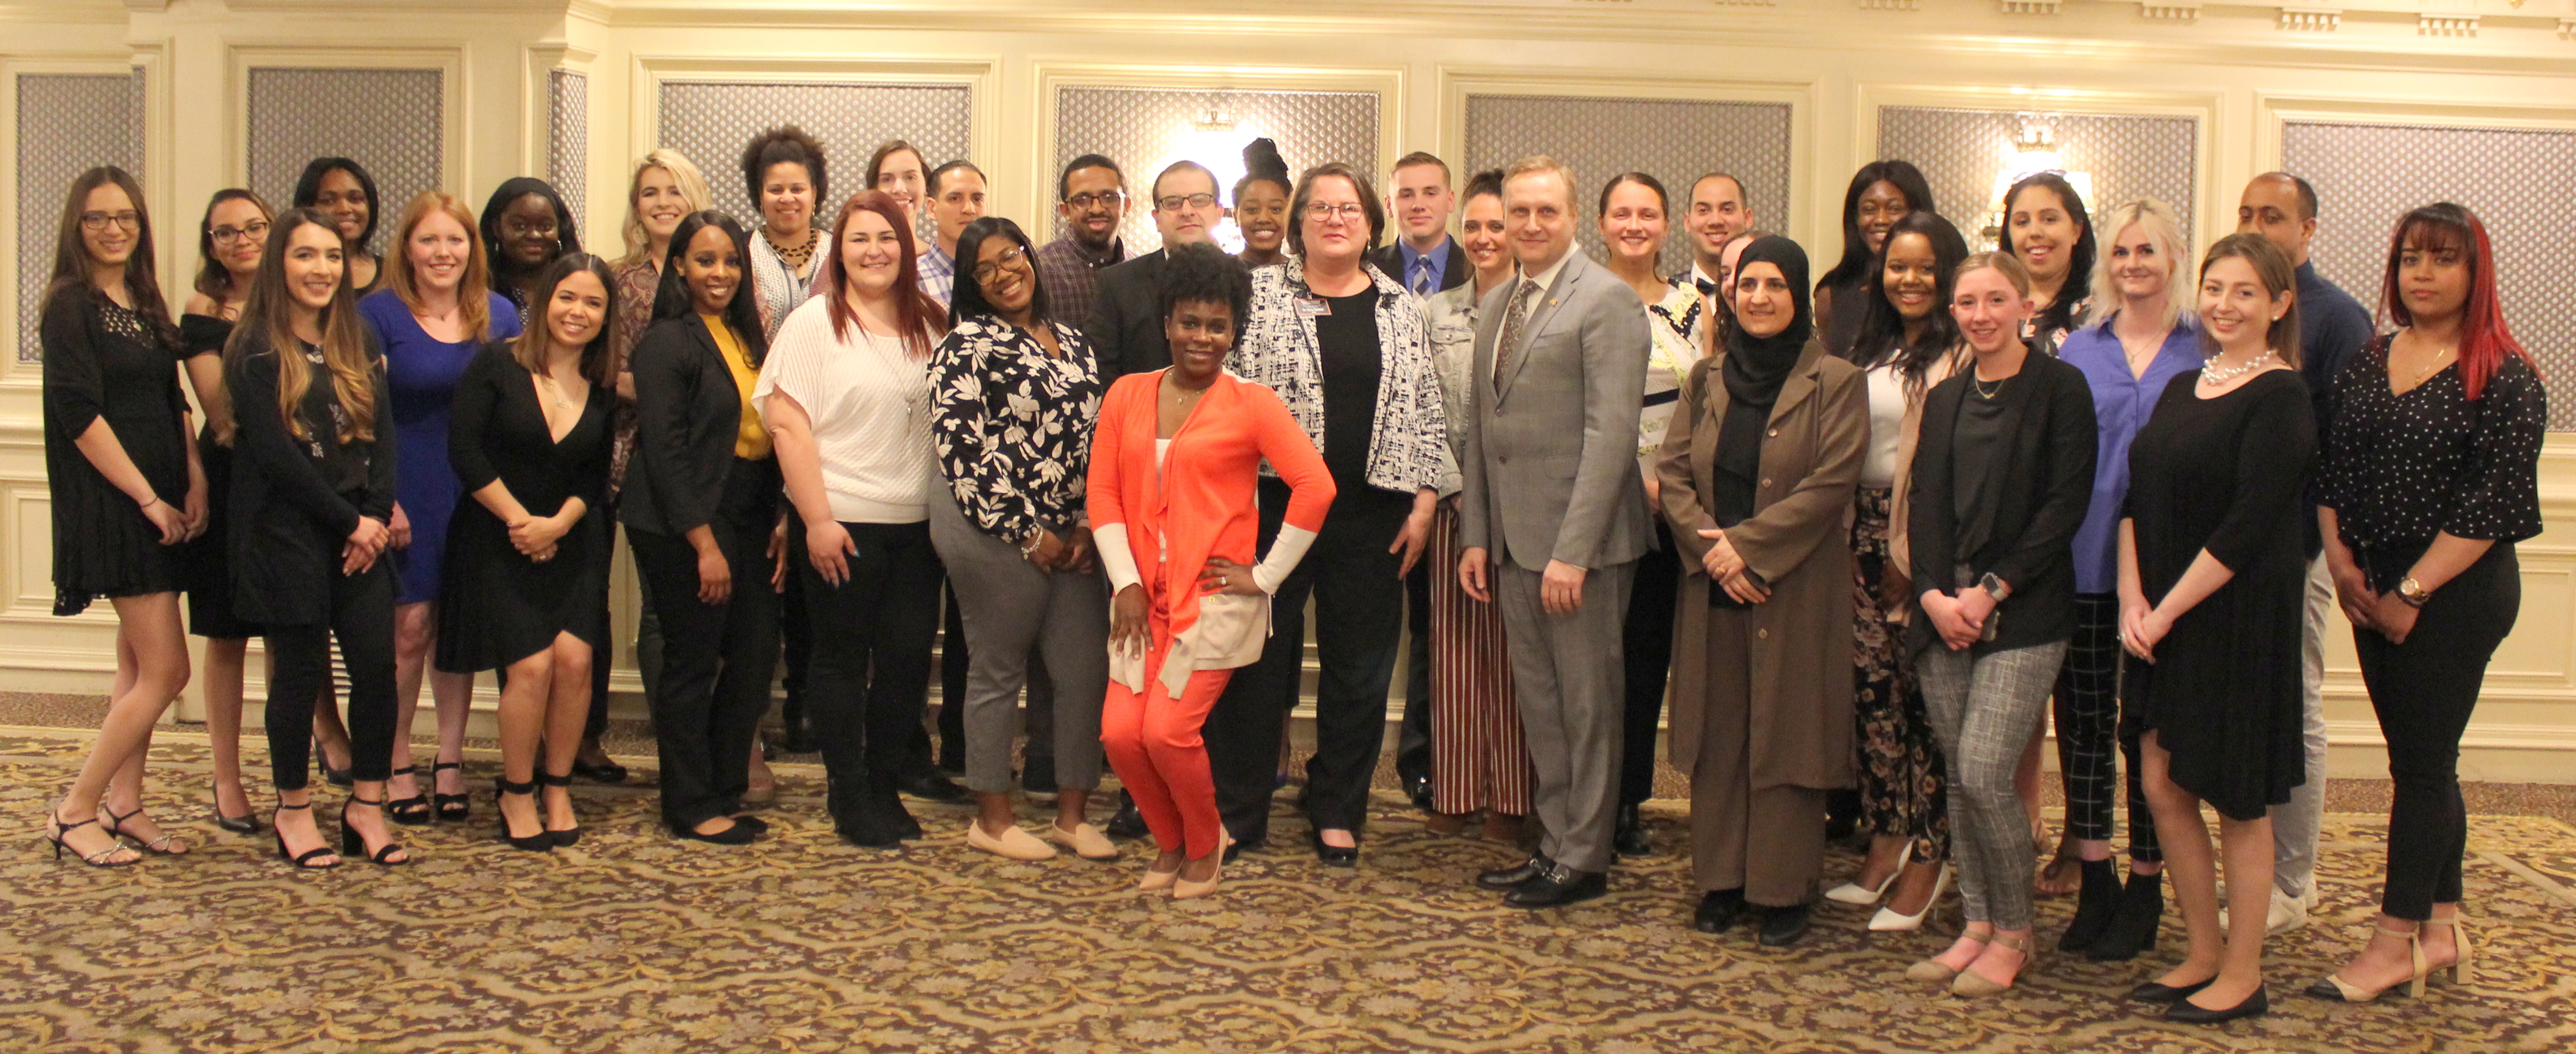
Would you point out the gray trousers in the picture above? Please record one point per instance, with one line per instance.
(1009, 607)
(1568, 677)
(2295, 824)
(1984, 709)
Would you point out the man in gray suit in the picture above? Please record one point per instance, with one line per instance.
(1555, 517)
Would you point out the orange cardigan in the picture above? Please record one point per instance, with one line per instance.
(1201, 503)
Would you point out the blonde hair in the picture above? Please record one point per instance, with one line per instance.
(2007, 264)
(2157, 220)
(1535, 164)
(693, 191)
(473, 287)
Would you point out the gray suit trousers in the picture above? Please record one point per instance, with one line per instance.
(1568, 675)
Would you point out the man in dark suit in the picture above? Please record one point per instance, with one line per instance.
(1125, 329)
(1424, 259)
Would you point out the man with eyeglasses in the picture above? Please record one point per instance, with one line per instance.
(1424, 259)
(1091, 198)
(1125, 327)
(956, 199)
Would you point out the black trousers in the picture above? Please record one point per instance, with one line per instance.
(1038, 720)
(362, 618)
(865, 691)
(796, 634)
(1647, 634)
(2424, 691)
(1413, 737)
(716, 658)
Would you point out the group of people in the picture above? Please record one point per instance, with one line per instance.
(1860, 528)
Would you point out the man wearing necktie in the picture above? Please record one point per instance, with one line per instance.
(1554, 518)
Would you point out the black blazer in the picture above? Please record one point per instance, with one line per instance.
(1390, 259)
(1126, 328)
(687, 415)
(2048, 482)
(289, 522)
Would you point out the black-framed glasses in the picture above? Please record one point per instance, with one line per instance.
(1105, 199)
(1173, 202)
(985, 271)
(98, 221)
(255, 229)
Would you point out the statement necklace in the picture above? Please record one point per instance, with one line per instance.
(2212, 374)
(797, 256)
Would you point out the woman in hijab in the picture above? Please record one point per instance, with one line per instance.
(1757, 472)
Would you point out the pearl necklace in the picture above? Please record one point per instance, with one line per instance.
(2213, 375)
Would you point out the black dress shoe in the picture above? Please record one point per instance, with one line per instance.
(1506, 879)
(1629, 837)
(797, 737)
(1418, 788)
(605, 772)
(934, 787)
(2151, 992)
(1334, 855)
(2185, 1011)
(1128, 823)
(1781, 927)
(2134, 920)
(1559, 886)
(1719, 911)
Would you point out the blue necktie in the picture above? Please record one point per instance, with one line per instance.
(1422, 276)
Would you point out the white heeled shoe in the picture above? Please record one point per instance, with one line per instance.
(1888, 920)
(1855, 893)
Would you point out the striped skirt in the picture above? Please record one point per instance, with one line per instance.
(1480, 760)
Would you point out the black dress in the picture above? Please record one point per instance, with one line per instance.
(2224, 694)
(104, 361)
(497, 606)
(208, 567)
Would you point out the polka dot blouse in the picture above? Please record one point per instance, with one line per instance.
(2401, 468)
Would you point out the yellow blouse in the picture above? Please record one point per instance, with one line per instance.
(753, 440)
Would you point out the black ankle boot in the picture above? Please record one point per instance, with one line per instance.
(2093, 906)
(2134, 920)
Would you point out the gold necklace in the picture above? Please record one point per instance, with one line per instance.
(556, 391)
(2432, 366)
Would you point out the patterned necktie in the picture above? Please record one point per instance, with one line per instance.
(1513, 315)
(1422, 276)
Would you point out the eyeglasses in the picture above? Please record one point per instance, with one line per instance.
(1106, 199)
(985, 271)
(1348, 210)
(1174, 202)
(98, 221)
(255, 230)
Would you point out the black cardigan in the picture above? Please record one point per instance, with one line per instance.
(2048, 481)
(688, 413)
(288, 522)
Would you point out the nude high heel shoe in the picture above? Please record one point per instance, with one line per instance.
(1184, 889)
(2335, 989)
(2461, 973)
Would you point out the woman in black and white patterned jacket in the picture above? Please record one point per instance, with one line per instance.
(1345, 347)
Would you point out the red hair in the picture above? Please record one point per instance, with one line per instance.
(2485, 341)
(914, 310)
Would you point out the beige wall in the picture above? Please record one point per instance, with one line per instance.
(2237, 69)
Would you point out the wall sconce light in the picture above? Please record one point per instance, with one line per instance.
(1215, 137)
(2032, 151)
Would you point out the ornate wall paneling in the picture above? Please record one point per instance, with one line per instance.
(395, 112)
(64, 121)
(1966, 156)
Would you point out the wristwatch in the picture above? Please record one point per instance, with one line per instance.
(2413, 592)
(1994, 587)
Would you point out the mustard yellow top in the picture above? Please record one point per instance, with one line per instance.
(753, 440)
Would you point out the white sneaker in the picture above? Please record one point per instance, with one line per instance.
(2286, 912)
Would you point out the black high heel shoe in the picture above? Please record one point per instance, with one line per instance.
(1335, 855)
(540, 842)
(353, 843)
(97, 859)
(322, 760)
(247, 823)
(116, 826)
(304, 859)
(412, 811)
(567, 837)
(453, 808)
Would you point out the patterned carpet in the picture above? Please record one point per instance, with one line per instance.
(638, 944)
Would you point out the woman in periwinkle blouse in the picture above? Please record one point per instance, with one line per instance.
(2431, 475)
(1015, 395)
(433, 316)
(2140, 335)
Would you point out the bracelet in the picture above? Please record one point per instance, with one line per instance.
(156, 500)
(1030, 547)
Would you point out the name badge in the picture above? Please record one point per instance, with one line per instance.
(1314, 307)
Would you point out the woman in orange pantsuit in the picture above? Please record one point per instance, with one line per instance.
(1172, 511)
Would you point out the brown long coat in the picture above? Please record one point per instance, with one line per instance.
(1799, 690)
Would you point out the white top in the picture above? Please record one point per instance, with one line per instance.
(870, 404)
(1886, 424)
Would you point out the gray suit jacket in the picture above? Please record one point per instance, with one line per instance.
(1550, 460)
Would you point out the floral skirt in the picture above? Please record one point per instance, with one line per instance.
(1901, 779)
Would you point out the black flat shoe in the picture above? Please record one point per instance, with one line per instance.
(608, 772)
(1628, 837)
(2186, 1011)
(1334, 855)
(2152, 992)
(1506, 879)
(933, 787)
(1782, 927)
(2134, 920)
(1719, 911)
(453, 808)
(741, 833)
(1128, 823)
(541, 842)
(1560, 886)
(412, 811)
(2095, 906)
(568, 836)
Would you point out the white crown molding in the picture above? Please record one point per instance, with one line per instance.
(2153, 12)
(2311, 19)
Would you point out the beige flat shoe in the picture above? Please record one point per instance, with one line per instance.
(1933, 971)
(1085, 840)
(1015, 843)
(1975, 985)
